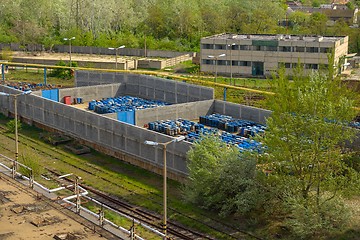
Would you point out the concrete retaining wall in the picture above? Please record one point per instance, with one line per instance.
(189, 111)
(102, 131)
(147, 87)
(93, 92)
(257, 115)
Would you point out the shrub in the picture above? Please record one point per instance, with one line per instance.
(10, 125)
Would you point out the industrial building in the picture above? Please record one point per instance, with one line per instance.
(260, 55)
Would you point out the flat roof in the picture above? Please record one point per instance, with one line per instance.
(283, 37)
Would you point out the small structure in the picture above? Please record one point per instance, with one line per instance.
(259, 55)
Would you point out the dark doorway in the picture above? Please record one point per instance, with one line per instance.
(257, 68)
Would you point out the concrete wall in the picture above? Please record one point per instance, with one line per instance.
(93, 92)
(147, 87)
(110, 134)
(190, 111)
(257, 115)
(122, 51)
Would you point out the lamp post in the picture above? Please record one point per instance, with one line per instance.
(231, 45)
(69, 39)
(116, 53)
(14, 167)
(164, 145)
(216, 60)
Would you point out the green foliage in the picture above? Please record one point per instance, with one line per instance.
(63, 72)
(305, 150)
(32, 161)
(221, 179)
(312, 221)
(10, 125)
(6, 54)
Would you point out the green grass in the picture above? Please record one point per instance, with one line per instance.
(36, 76)
(123, 180)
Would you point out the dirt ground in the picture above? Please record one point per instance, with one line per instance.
(22, 216)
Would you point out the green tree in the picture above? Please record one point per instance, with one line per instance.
(305, 137)
(10, 125)
(221, 179)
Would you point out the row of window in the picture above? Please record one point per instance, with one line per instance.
(267, 48)
(306, 65)
(248, 64)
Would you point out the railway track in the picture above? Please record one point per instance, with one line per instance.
(226, 229)
(175, 230)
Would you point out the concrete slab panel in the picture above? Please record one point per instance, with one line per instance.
(170, 86)
(206, 93)
(69, 124)
(180, 164)
(142, 91)
(120, 128)
(170, 97)
(182, 88)
(159, 95)
(39, 102)
(69, 112)
(94, 77)
(132, 146)
(106, 137)
(59, 108)
(263, 115)
(132, 90)
(233, 110)
(219, 107)
(194, 91)
(38, 114)
(133, 79)
(119, 78)
(249, 113)
(149, 82)
(160, 84)
(92, 133)
(49, 117)
(107, 77)
(133, 132)
(80, 129)
(148, 152)
(181, 98)
(118, 142)
(91, 118)
(150, 93)
(59, 121)
(193, 98)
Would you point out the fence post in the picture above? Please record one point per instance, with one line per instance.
(45, 75)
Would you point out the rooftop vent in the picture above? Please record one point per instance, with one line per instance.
(302, 37)
(319, 38)
(288, 37)
(232, 36)
(280, 37)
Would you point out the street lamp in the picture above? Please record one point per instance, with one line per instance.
(151, 143)
(116, 53)
(230, 45)
(69, 39)
(16, 127)
(216, 60)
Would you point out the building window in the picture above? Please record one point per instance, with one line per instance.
(300, 49)
(207, 61)
(282, 64)
(221, 62)
(311, 66)
(258, 48)
(234, 47)
(287, 65)
(245, 63)
(312, 49)
(325, 50)
(244, 47)
(208, 46)
(220, 46)
(271, 48)
(235, 63)
(285, 49)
